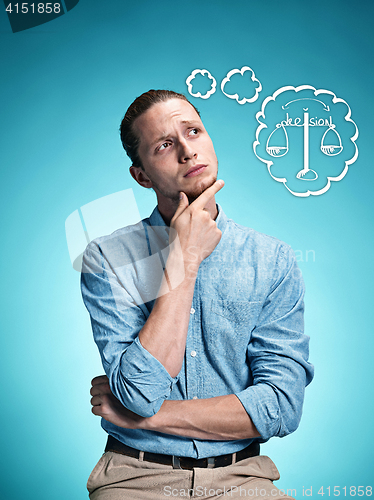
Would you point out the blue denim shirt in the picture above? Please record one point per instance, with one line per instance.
(245, 335)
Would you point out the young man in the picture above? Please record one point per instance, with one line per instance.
(199, 323)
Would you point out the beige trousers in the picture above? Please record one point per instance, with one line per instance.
(118, 477)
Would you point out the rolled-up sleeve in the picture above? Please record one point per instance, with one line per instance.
(278, 354)
(136, 378)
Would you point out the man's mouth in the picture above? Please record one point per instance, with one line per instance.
(195, 170)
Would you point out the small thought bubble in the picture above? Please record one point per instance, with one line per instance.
(235, 96)
(202, 72)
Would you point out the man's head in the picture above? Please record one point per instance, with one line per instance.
(130, 140)
(170, 149)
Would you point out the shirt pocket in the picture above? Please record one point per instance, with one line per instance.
(230, 325)
(237, 311)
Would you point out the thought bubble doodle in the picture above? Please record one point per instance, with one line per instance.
(305, 134)
(236, 96)
(201, 72)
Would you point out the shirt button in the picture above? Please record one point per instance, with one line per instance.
(195, 397)
(193, 353)
(192, 310)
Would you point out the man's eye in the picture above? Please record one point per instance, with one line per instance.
(193, 131)
(163, 146)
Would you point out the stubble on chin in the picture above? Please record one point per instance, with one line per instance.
(199, 189)
(191, 195)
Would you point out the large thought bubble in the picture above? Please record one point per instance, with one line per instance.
(307, 138)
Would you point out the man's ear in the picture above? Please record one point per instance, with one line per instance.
(140, 176)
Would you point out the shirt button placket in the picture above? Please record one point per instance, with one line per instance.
(192, 354)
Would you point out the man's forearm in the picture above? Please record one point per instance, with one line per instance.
(219, 418)
(164, 333)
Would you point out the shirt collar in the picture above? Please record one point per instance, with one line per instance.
(221, 219)
(156, 219)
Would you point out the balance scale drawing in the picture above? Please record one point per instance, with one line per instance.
(273, 143)
(306, 173)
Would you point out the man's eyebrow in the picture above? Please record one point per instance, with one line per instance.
(165, 136)
(190, 122)
(161, 138)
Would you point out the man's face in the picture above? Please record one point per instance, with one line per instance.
(176, 151)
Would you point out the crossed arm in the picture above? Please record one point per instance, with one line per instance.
(218, 418)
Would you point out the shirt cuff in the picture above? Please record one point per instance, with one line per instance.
(146, 382)
(261, 404)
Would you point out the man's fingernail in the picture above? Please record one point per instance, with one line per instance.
(180, 195)
(221, 182)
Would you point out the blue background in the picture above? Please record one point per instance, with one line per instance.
(64, 89)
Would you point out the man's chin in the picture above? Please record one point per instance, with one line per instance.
(200, 188)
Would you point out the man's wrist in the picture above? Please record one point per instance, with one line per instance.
(150, 423)
(181, 267)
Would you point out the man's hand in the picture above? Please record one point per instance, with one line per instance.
(105, 405)
(197, 231)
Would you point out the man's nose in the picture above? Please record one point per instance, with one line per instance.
(187, 151)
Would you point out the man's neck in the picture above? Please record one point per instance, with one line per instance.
(167, 213)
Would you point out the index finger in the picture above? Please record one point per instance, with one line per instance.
(208, 194)
(101, 379)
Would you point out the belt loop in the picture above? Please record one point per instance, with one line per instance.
(211, 463)
(234, 458)
(141, 456)
(176, 463)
